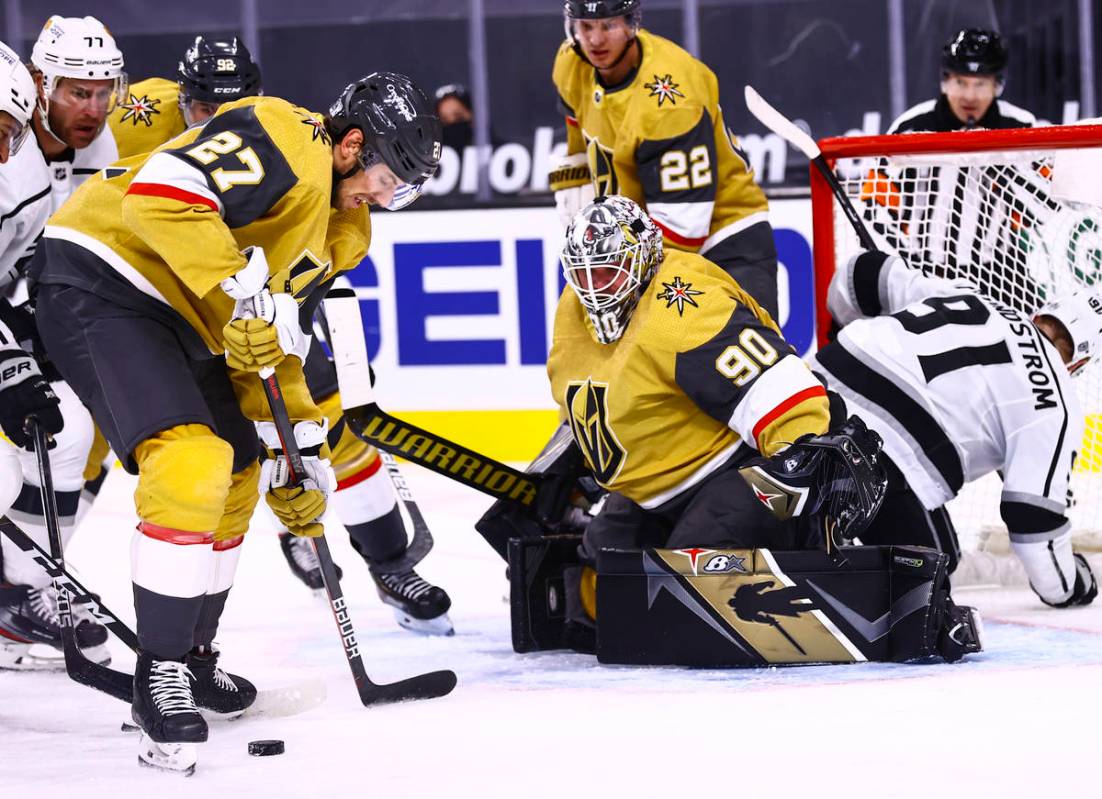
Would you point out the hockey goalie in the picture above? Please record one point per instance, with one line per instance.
(732, 479)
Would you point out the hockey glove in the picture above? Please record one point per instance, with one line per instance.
(265, 328)
(573, 186)
(1085, 588)
(25, 392)
(298, 506)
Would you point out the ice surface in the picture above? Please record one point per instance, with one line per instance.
(1021, 720)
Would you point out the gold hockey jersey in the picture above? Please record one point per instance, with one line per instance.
(173, 223)
(700, 370)
(148, 118)
(660, 139)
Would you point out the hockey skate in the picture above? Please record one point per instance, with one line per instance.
(30, 632)
(961, 632)
(217, 694)
(165, 711)
(300, 556)
(418, 605)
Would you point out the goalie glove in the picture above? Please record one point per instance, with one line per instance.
(834, 479)
(265, 328)
(297, 506)
(573, 186)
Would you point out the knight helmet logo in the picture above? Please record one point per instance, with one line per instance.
(587, 412)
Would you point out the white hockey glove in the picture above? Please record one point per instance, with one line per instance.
(300, 506)
(573, 186)
(265, 328)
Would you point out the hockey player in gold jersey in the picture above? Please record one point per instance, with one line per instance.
(669, 375)
(146, 278)
(213, 71)
(643, 120)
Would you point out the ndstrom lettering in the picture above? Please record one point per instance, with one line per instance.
(1026, 339)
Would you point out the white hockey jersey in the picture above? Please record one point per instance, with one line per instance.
(959, 385)
(32, 188)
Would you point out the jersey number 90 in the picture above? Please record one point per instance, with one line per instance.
(744, 361)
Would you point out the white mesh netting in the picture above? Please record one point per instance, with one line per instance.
(1020, 224)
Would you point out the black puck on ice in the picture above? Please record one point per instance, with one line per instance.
(265, 748)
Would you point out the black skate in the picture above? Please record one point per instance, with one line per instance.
(418, 604)
(961, 632)
(164, 708)
(219, 695)
(300, 556)
(29, 616)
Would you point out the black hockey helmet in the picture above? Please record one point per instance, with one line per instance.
(217, 71)
(600, 9)
(974, 51)
(397, 121)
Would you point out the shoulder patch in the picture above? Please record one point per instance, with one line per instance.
(139, 110)
(319, 131)
(664, 88)
(679, 294)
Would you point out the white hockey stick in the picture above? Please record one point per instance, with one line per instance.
(787, 130)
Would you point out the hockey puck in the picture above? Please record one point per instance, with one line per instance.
(265, 748)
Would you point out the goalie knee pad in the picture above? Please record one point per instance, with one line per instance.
(184, 478)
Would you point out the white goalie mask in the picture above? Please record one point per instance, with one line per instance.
(16, 96)
(1080, 312)
(611, 253)
(78, 48)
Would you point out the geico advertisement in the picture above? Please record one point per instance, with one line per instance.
(458, 305)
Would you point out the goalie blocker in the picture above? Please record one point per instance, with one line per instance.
(744, 607)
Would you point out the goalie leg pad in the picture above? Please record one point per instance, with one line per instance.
(756, 607)
(538, 591)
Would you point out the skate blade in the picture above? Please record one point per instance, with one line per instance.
(30, 657)
(441, 625)
(175, 758)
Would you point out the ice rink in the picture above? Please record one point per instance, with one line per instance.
(1019, 720)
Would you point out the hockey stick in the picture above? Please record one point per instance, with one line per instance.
(390, 434)
(421, 543)
(783, 127)
(422, 686)
(81, 669)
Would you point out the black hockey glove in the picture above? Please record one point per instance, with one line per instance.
(23, 392)
(1086, 587)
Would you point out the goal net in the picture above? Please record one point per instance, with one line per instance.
(1017, 212)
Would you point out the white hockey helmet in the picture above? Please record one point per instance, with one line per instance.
(80, 48)
(1080, 312)
(16, 95)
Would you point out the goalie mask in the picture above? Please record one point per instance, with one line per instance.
(612, 251)
(1080, 312)
(835, 480)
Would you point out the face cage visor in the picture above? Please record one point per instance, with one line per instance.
(405, 194)
(608, 299)
(16, 138)
(111, 95)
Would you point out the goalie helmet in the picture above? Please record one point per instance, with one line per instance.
(974, 52)
(217, 71)
(16, 95)
(611, 253)
(80, 48)
(399, 129)
(1080, 312)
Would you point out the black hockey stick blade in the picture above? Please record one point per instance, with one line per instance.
(80, 668)
(423, 686)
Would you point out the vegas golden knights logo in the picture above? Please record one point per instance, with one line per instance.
(600, 167)
(587, 410)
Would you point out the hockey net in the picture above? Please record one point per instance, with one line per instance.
(1018, 213)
